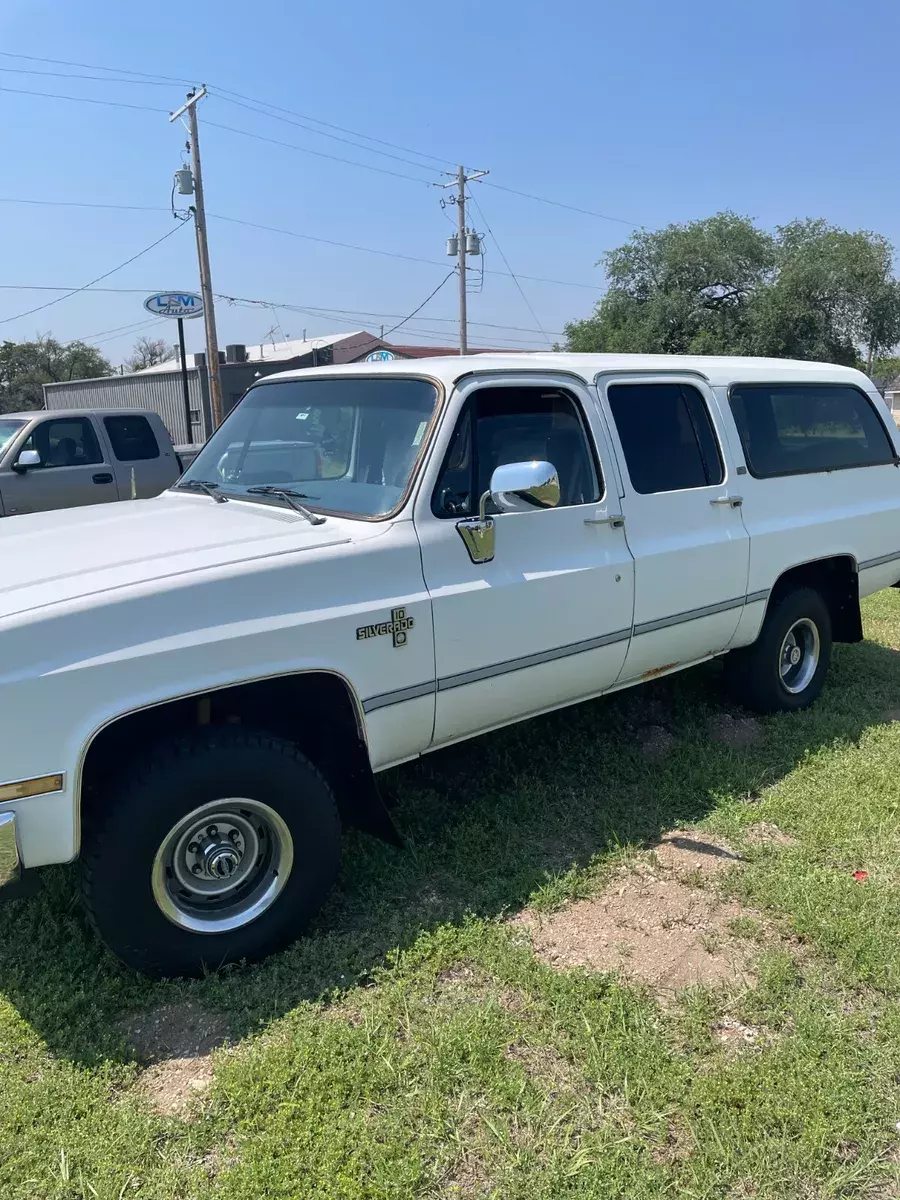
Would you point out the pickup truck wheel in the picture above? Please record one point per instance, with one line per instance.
(785, 668)
(218, 848)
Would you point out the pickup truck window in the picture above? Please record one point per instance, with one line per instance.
(349, 444)
(8, 430)
(516, 424)
(65, 442)
(792, 430)
(667, 436)
(132, 438)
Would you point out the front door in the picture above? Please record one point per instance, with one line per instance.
(73, 470)
(683, 523)
(548, 621)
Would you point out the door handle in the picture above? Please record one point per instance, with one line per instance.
(731, 501)
(616, 521)
(103, 477)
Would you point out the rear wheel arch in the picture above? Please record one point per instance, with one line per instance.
(837, 581)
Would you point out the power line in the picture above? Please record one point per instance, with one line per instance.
(317, 153)
(105, 275)
(43, 287)
(93, 78)
(308, 237)
(63, 62)
(431, 262)
(559, 204)
(234, 96)
(87, 204)
(84, 100)
(119, 329)
(322, 133)
(509, 268)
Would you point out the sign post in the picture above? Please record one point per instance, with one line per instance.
(179, 305)
(184, 384)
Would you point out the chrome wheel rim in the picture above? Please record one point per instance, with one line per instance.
(222, 866)
(799, 656)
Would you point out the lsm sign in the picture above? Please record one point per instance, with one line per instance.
(174, 304)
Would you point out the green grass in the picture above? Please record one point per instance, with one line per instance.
(415, 1047)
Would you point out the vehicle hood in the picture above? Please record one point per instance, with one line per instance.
(51, 558)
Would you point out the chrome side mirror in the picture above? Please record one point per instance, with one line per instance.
(26, 459)
(535, 482)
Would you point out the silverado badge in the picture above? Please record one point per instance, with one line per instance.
(398, 626)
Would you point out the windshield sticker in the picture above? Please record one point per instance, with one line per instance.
(420, 432)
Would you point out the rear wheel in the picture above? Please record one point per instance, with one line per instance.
(785, 668)
(218, 848)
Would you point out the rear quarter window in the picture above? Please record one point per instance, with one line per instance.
(132, 438)
(805, 428)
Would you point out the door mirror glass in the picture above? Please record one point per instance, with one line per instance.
(28, 458)
(537, 483)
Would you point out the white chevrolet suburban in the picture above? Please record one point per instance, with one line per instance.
(369, 562)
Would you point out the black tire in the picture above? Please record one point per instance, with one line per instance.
(130, 823)
(754, 673)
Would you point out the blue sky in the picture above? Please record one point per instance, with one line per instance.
(650, 112)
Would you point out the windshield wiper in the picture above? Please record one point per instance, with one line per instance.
(292, 497)
(204, 486)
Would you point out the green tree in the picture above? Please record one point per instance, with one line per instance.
(723, 286)
(25, 366)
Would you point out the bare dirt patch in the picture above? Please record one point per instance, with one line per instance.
(765, 833)
(737, 732)
(684, 852)
(657, 930)
(175, 1042)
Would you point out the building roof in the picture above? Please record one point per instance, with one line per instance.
(273, 351)
(717, 371)
(440, 351)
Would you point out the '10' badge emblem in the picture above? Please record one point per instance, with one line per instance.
(398, 627)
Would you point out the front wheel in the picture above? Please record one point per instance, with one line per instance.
(220, 847)
(785, 668)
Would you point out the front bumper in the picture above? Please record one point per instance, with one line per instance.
(10, 864)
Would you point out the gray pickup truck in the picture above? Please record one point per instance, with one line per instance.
(82, 456)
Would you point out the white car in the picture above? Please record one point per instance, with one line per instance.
(198, 690)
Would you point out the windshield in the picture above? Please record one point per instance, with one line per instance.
(8, 430)
(346, 445)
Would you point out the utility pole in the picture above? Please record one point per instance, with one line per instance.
(460, 182)
(461, 260)
(209, 312)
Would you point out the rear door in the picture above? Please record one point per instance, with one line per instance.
(548, 620)
(140, 451)
(683, 520)
(74, 469)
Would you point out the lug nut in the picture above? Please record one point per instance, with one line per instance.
(197, 869)
(212, 830)
(235, 836)
(194, 848)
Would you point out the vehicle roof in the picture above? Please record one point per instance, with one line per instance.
(87, 411)
(718, 371)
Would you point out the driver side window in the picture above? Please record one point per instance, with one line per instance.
(516, 424)
(65, 442)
